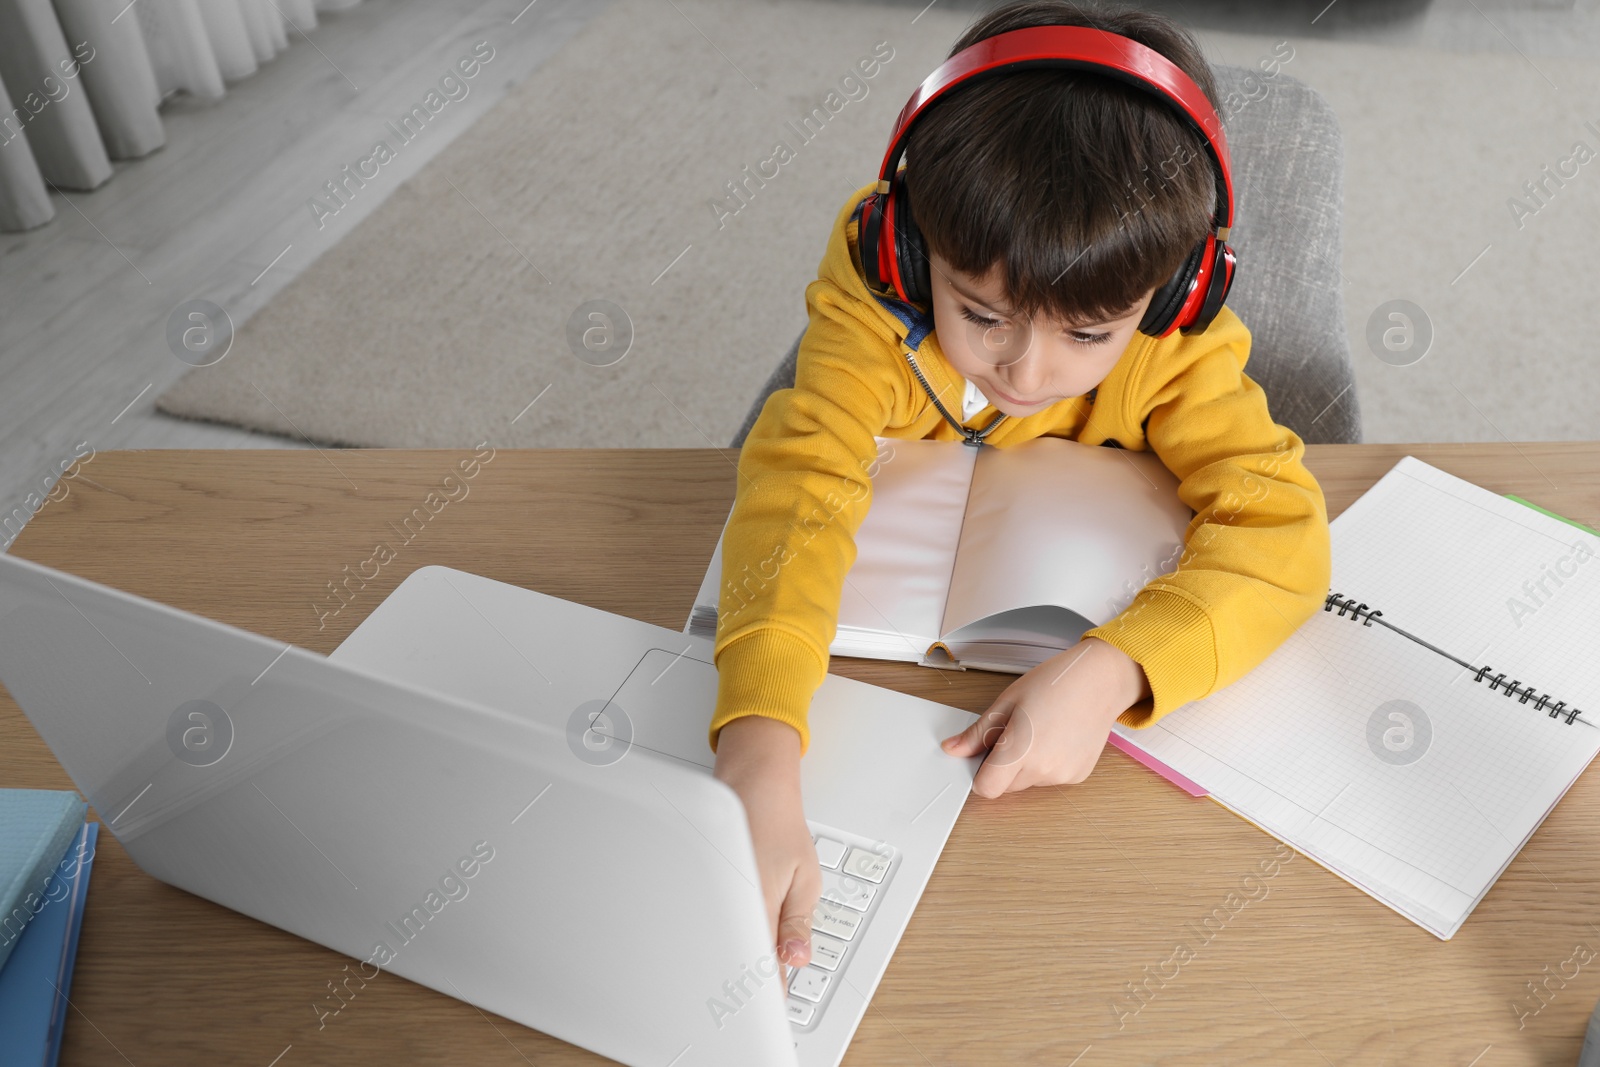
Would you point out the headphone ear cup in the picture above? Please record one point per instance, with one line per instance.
(867, 240)
(1218, 282)
(1162, 314)
(911, 250)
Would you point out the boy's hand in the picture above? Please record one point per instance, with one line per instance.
(759, 758)
(1050, 725)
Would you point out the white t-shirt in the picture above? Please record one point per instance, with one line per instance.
(973, 403)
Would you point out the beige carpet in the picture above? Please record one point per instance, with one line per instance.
(446, 312)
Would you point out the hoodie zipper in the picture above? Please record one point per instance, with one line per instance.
(969, 436)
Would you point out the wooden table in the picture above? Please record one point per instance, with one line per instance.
(1046, 906)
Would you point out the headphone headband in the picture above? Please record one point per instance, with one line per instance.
(894, 253)
(1076, 48)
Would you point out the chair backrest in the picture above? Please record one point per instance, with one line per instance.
(1288, 173)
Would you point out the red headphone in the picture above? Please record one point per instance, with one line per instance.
(894, 254)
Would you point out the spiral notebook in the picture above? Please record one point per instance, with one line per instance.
(1413, 734)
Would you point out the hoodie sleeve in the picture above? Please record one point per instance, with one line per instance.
(1256, 560)
(804, 488)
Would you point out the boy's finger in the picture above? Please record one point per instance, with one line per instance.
(1004, 762)
(773, 889)
(794, 930)
(1016, 742)
(774, 909)
(985, 730)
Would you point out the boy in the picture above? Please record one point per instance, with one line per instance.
(1046, 239)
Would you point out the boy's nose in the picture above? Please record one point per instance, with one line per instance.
(1027, 376)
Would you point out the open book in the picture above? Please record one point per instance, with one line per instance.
(993, 558)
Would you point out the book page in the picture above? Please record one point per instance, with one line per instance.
(1052, 521)
(1014, 642)
(1382, 759)
(894, 593)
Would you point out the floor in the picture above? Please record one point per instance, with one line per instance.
(85, 301)
(221, 211)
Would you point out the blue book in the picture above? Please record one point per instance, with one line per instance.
(36, 825)
(35, 982)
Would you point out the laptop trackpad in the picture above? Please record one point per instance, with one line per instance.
(664, 705)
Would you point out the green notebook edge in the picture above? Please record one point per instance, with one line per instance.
(1553, 515)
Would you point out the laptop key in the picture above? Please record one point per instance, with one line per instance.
(800, 1012)
(864, 863)
(835, 919)
(809, 984)
(829, 852)
(843, 889)
(827, 952)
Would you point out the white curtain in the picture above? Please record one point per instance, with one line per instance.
(81, 81)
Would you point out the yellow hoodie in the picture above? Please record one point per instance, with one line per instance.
(1256, 562)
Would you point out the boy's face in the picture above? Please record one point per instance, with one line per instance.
(1021, 366)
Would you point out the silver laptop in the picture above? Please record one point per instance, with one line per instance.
(498, 794)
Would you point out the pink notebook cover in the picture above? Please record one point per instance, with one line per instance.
(1188, 785)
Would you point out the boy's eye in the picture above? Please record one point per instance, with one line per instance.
(1078, 336)
(980, 320)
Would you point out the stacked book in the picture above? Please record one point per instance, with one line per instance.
(46, 849)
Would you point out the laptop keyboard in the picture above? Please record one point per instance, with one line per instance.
(855, 873)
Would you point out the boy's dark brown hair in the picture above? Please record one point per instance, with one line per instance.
(1069, 180)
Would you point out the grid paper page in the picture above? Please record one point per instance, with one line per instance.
(1383, 760)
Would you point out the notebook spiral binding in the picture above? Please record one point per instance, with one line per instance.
(1367, 616)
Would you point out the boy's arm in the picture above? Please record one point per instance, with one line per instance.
(1256, 561)
(804, 488)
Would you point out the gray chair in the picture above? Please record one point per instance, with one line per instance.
(1288, 177)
